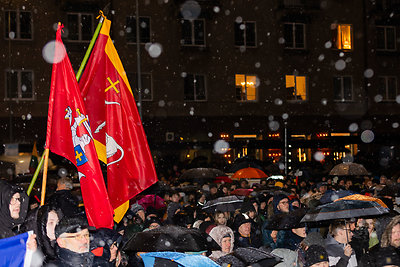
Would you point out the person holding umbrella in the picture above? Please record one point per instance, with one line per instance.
(337, 245)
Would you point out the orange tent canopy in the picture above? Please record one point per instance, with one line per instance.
(249, 173)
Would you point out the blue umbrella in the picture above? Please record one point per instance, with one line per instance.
(181, 259)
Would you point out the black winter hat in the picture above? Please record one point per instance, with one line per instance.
(315, 254)
(247, 206)
(241, 219)
(71, 225)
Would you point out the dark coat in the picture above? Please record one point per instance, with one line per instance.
(245, 242)
(66, 202)
(68, 258)
(289, 240)
(9, 226)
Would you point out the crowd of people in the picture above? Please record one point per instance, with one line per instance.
(62, 236)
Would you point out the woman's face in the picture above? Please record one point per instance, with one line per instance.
(52, 220)
(15, 206)
(226, 244)
(221, 220)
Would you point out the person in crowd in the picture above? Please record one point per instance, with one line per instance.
(316, 256)
(73, 243)
(281, 204)
(104, 245)
(244, 236)
(213, 192)
(224, 237)
(292, 238)
(337, 245)
(388, 257)
(136, 224)
(174, 206)
(64, 199)
(219, 218)
(151, 223)
(391, 235)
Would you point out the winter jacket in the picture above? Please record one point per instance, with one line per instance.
(68, 258)
(66, 202)
(290, 240)
(244, 242)
(336, 255)
(9, 226)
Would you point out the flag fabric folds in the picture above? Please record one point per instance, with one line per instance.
(13, 251)
(69, 135)
(117, 127)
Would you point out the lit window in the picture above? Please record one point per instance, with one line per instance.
(245, 34)
(246, 89)
(80, 26)
(18, 25)
(19, 84)
(294, 34)
(343, 38)
(386, 38)
(296, 87)
(343, 88)
(144, 29)
(194, 87)
(193, 32)
(146, 90)
(387, 87)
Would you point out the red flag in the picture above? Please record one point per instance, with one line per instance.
(69, 135)
(117, 128)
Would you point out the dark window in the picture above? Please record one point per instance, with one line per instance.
(18, 25)
(294, 35)
(19, 84)
(144, 28)
(387, 88)
(386, 37)
(245, 34)
(147, 86)
(343, 88)
(80, 26)
(194, 87)
(193, 32)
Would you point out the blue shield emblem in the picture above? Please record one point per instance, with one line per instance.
(80, 156)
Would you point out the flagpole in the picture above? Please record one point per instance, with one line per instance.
(46, 163)
(35, 175)
(89, 50)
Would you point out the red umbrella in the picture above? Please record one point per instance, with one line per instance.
(241, 192)
(151, 201)
(221, 179)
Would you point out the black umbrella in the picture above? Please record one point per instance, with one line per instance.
(348, 169)
(286, 221)
(249, 257)
(228, 203)
(171, 238)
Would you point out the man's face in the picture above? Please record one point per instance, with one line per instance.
(226, 244)
(175, 198)
(283, 205)
(52, 220)
(141, 214)
(15, 206)
(345, 235)
(395, 241)
(245, 229)
(76, 242)
(213, 190)
(323, 189)
(300, 231)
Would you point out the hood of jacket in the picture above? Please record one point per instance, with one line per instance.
(219, 232)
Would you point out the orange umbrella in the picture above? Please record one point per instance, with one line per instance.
(249, 173)
(363, 198)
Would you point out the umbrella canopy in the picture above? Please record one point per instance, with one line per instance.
(348, 207)
(171, 238)
(228, 203)
(201, 173)
(175, 259)
(238, 165)
(348, 169)
(151, 201)
(332, 195)
(224, 179)
(241, 192)
(286, 221)
(249, 173)
(243, 257)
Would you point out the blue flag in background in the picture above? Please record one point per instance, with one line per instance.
(13, 251)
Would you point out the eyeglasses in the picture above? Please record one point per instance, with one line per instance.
(78, 237)
(14, 200)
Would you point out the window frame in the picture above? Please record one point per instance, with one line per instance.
(387, 77)
(147, 17)
(343, 100)
(335, 38)
(19, 86)
(256, 88)
(385, 27)
(80, 14)
(133, 75)
(193, 35)
(294, 35)
(194, 92)
(18, 22)
(244, 34)
(306, 86)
